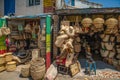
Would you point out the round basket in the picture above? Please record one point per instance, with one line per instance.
(11, 66)
(25, 71)
(8, 57)
(37, 69)
(98, 22)
(2, 59)
(2, 68)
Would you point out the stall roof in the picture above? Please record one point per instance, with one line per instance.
(38, 16)
(88, 11)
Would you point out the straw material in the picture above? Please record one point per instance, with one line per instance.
(104, 53)
(37, 69)
(28, 28)
(111, 22)
(106, 38)
(109, 46)
(115, 62)
(111, 54)
(25, 71)
(70, 31)
(2, 68)
(98, 20)
(86, 21)
(118, 56)
(2, 59)
(11, 66)
(5, 31)
(8, 57)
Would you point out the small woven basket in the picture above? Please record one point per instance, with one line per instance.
(8, 57)
(11, 66)
(2, 68)
(2, 59)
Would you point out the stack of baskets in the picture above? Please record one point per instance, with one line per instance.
(6, 62)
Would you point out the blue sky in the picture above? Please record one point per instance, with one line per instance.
(108, 3)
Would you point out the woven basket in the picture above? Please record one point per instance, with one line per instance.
(37, 69)
(106, 38)
(104, 53)
(109, 46)
(25, 71)
(60, 39)
(110, 61)
(8, 57)
(115, 63)
(11, 66)
(70, 31)
(111, 54)
(2, 68)
(118, 50)
(2, 59)
(118, 56)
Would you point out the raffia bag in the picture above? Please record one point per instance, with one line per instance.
(8, 57)
(25, 71)
(109, 46)
(60, 40)
(2, 59)
(11, 66)
(37, 68)
(2, 68)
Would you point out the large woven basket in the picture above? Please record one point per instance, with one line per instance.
(37, 68)
(8, 57)
(11, 66)
(111, 22)
(98, 22)
(104, 53)
(2, 59)
(25, 71)
(2, 68)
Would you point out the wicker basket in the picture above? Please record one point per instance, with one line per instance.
(104, 53)
(25, 71)
(2, 68)
(8, 57)
(37, 69)
(11, 66)
(2, 59)
(109, 46)
(111, 22)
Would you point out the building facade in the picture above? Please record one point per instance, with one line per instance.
(1, 7)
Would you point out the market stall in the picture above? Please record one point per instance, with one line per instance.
(91, 33)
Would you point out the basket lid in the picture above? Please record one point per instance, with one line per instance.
(12, 62)
(9, 53)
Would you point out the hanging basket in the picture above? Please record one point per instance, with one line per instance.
(11, 66)
(104, 53)
(2, 59)
(109, 46)
(8, 57)
(111, 54)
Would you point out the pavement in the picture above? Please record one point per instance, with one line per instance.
(104, 72)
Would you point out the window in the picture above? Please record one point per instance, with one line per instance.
(33, 2)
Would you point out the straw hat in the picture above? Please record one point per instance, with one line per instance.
(111, 22)
(98, 20)
(86, 21)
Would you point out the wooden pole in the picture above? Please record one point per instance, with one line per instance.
(48, 41)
